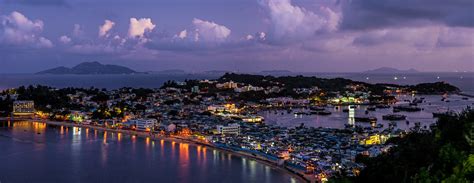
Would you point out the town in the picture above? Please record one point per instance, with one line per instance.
(225, 114)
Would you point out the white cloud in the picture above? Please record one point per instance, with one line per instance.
(183, 34)
(209, 31)
(17, 29)
(291, 22)
(138, 27)
(262, 36)
(249, 37)
(45, 43)
(77, 31)
(65, 39)
(105, 28)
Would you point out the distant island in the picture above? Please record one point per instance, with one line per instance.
(390, 70)
(90, 68)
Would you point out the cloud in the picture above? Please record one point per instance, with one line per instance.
(420, 38)
(417, 37)
(293, 23)
(65, 39)
(456, 37)
(138, 27)
(208, 31)
(77, 30)
(182, 35)
(105, 28)
(370, 14)
(17, 29)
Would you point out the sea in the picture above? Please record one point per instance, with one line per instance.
(463, 80)
(34, 152)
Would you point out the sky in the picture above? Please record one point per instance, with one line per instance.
(238, 35)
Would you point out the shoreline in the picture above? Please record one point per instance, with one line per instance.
(290, 171)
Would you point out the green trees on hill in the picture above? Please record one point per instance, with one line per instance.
(444, 154)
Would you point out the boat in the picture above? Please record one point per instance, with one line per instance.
(394, 117)
(444, 114)
(406, 108)
(365, 118)
(300, 113)
(371, 108)
(382, 106)
(324, 113)
(392, 124)
(417, 101)
(316, 108)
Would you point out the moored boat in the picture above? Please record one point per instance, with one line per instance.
(406, 108)
(394, 117)
(365, 118)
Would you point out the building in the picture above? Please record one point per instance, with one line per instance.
(195, 89)
(252, 119)
(144, 124)
(221, 108)
(227, 85)
(231, 129)
(23, 108)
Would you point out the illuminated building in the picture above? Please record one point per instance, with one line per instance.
(23, 108)
(374, 139)
(227, 85)
(221, 108)
(144, 124)
(252, 119)
(232, 129)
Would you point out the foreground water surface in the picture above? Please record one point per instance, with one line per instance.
(37, 152)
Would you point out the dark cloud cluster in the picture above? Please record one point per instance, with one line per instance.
(369, 14)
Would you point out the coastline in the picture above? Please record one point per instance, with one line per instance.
(294, 173)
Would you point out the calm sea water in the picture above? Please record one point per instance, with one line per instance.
(36, 152)
(465, 81)
(338, 118)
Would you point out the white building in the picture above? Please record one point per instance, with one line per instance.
(23, 107)
(232, 129)
(144, 124)
(227, 85)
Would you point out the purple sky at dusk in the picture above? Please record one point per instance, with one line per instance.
(238, 35)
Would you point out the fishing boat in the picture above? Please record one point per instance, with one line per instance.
(406, 108)
(382, 106)
(394, 117)
(316, 108)
(365, 118)
(324, 113)
(444, 114)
